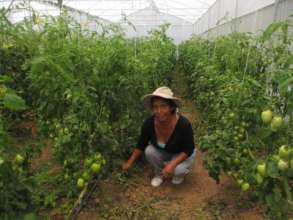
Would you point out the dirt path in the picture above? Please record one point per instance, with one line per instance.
(198, 197)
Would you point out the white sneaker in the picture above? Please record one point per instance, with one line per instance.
(157, 181)
(177, 179)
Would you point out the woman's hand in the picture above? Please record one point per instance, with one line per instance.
(135, 154)
(126, 166)
(168, 169)
(171, 165)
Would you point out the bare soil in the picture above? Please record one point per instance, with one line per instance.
(198, 197)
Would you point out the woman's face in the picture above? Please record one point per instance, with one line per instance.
(161, 109)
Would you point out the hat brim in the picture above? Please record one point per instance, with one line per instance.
(147, 100)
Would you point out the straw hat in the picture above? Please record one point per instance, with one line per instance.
(162, 92)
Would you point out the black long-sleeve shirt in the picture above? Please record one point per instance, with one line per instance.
(181, 140)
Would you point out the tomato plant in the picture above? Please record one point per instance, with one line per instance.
(15, 180)
(242, 85)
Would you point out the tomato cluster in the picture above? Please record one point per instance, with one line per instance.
(83, 175)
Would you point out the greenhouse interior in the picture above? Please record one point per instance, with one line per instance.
(146, 109)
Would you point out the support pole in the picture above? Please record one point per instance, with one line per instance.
(276, 7)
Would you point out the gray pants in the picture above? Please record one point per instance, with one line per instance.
(157, 158)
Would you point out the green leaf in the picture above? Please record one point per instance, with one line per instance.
(13, 102)
(284, 84)
(30, 216)
(287, 190)
(272, 169)
(273, 199)
(5, 78)
(254, 82)
(21, 205)
(50, 200)
(270, 30)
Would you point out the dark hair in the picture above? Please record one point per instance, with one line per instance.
(170, 102)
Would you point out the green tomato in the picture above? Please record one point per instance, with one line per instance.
(245, 151)
(19, 159)
(228, 160)
(65, 163)
(87, 162)
(240, 181)
(68, 96)
(235, 175)
(75, 174)
(1, 161)
(245, 186)
(95, 168)
(259, 179)
(86, 176)
(284, 151)
(282, 165)
(276, 123)
(80, 183)
(240, 135)
(19, 169)
(232, 115)
(57, 125)
(98, 157)
(66, 131)
(236, 161)
(261, 169)
(66, 176)
(267, 116)
(276, 157)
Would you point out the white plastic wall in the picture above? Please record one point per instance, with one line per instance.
(226, 16)
(151, 18)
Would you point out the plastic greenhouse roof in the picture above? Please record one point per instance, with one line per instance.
(114, 10)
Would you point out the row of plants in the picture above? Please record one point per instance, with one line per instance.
(242, 84)
(13, 166)
(85, 88)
